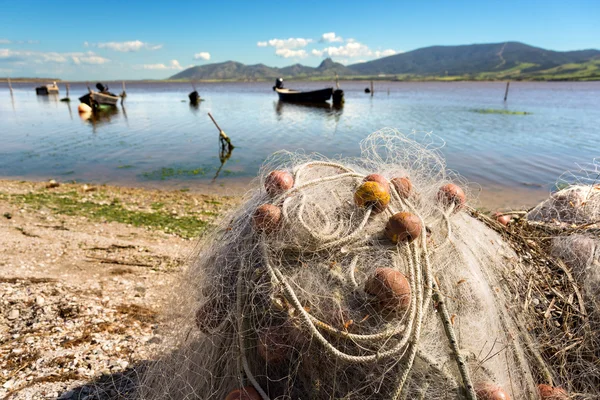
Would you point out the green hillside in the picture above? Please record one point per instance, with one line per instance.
(493, 61)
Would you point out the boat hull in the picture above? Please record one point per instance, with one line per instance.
(101, 99)
(46, 90)
(315, 96)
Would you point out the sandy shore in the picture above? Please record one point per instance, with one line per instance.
(83, 273)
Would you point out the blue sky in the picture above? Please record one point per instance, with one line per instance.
(147, 39)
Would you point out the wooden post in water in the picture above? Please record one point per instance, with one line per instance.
(506, 92)
(10, 86)
(67, 90)
(371, 88)
(223, 138)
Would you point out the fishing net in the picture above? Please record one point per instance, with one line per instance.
(573, 215)
(354, 278)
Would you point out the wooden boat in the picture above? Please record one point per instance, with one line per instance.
(297, 96)
(47, 89)
(101, 98)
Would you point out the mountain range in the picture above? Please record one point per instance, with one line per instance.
(491, 61)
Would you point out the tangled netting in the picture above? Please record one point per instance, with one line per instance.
(576, 209)
(331, 282)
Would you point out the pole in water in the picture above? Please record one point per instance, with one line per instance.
(506, 92)
(223, 138)
(124, 94)
(371, 88)
(10, 86)
(67, 90)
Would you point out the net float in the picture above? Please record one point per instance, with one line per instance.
(403, 227)
(503, 219)
(452, 195)
(390, 287)
(278, 182)
(548, 392)
(272, 346)
(403, 186)
(490, 391)
(379, 179)
(245, 393)
(374, 195)
(267, 218)
(84, 108)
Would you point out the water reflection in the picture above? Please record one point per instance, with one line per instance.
(48, 98)
(100, 116)
(195, 107)
(224, 155)
(282, 107)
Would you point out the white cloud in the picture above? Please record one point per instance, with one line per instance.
(385, 53)
(291, 43)
(38, 57)
(89, 59)
(352, 49)
(127, 47)
(86, 44)
(288, 53)
(203, 55)
(173, 64)
(330, 37)
(6, 41)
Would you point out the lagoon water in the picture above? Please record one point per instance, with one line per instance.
(158, 140)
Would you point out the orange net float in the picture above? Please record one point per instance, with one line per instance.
(245, 393)
(403, 227)
(278, 182)
(267, 218)
(452, 195)
(372, 195)
(490, 391)
(379, 179)
(391, 288)
(403, 186)
(548, 392)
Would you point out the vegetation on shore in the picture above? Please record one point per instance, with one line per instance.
(185, 215)
(496, 111)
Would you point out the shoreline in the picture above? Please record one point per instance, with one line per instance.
(486, 198)
(367, 79)
(84, 273)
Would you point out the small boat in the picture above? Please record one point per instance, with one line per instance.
(47, 89)
(313, 96)
(297, 96)
(194, 97)
(101, 98)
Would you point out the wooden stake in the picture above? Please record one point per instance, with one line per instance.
(506, 92)
(222, 135)
(10, 86)
(371, 88)
(67, 90)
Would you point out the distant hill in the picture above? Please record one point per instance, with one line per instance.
(509, 60)
(231, 70)
(473, 59)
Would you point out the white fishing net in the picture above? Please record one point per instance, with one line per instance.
(578, 201)
(570, 224)
(309, 297)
